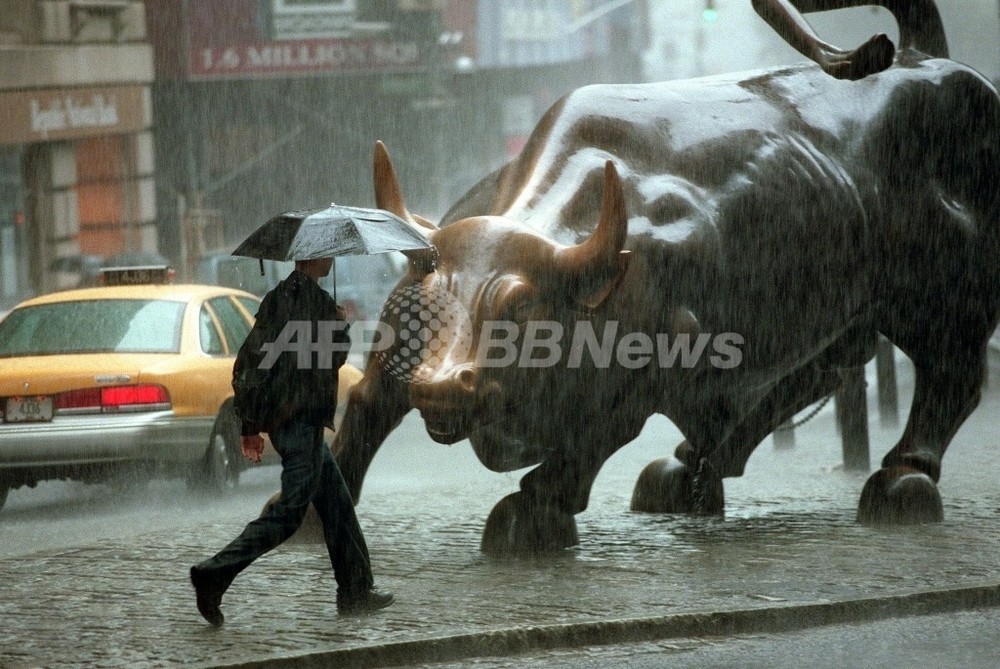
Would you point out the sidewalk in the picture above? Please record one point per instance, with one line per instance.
(787, 555)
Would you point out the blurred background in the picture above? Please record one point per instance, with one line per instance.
(167, 130)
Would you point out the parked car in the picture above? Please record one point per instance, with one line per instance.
(122, 382)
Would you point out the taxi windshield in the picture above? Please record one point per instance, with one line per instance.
(93, 326)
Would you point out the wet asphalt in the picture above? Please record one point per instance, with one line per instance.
(788, 555)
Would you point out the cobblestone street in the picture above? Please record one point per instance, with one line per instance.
(789, 538)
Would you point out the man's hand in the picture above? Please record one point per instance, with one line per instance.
(252, 447)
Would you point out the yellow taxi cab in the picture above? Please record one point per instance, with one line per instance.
(125, 382)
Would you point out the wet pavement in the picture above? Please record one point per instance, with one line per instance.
(788, 554)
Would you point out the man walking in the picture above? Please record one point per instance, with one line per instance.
(292, 403)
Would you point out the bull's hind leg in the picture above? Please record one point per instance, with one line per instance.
(689, 483)
(905, 491)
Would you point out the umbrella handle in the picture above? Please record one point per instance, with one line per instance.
(334, 270)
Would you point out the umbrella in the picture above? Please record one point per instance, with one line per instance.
(334, 231)
(306, 234)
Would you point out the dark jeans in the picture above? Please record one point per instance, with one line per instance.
(309, 473)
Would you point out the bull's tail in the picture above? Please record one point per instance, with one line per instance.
(920, 26)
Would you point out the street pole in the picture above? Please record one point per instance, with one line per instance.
(888, 394)
(596, 13)
(852, 419)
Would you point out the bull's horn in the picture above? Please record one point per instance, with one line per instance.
(595, 266)
(389, 196)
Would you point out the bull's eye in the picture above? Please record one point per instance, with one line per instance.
(520, 313)
(516, 301)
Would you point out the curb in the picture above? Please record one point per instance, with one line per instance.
(513, 641)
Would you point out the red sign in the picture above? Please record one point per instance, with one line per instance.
(301, 56)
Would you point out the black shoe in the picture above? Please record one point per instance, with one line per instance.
(209, 595)
(366, 602)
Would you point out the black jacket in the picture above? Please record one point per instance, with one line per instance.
(307, 393)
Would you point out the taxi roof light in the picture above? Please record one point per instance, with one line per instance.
(142, 275)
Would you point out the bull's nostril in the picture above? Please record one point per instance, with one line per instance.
(467, 379)
(491, 397)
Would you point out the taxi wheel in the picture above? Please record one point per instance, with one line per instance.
(221, 470)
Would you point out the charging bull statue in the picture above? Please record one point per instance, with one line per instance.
(712, 250)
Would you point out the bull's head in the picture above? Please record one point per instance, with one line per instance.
(499, 271)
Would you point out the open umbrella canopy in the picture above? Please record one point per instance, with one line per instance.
(334, 231)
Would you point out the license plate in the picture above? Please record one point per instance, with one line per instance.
(28, 409)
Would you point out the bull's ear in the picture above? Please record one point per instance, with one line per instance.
(424, 223)
(593, 269)
(423, 261)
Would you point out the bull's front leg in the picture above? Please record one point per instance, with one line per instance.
(540, 517)
(375, 407)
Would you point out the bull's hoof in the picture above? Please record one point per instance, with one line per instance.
(667, 486)
(519, 527)
(311, 529)
(899, 495)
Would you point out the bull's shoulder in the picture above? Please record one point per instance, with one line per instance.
(932, 121)
(688, 150)
(668, 148)
(946, 93)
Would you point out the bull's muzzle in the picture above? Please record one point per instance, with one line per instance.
(452, 400)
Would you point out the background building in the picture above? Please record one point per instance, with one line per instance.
(251, 107)
(76, 148)
(267, 105)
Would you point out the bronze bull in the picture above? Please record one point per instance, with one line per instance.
(796, 214)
